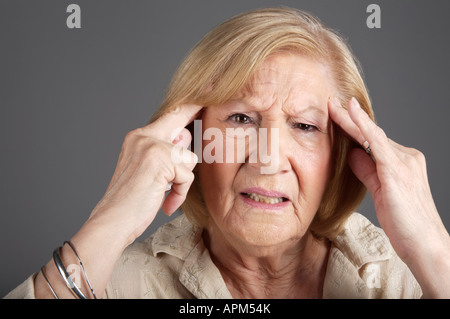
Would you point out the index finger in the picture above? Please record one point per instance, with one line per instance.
(373, 134)
(174, 120)
(341, 117)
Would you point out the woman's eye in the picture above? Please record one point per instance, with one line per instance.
(240, 118)
(306, 127)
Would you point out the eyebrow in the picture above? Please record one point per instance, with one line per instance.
(246, 99)
(309, 109)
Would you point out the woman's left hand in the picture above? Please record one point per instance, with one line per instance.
(396, 178)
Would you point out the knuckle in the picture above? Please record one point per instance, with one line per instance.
(191, 177)
(414, 158)
(379, 133)
(128, 137)
(131, 136)
(128, 141)
(419, 156)
(154, 150)
(133, 133)
(181, 155)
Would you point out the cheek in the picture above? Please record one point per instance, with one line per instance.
(216, 181)
(216, 175)
(312, 165)
(220, 164)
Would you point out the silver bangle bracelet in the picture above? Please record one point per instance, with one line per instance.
(65, 275)
(82, 267)
(48, 282)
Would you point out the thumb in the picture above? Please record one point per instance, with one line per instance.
(365, 169)
(181, 137)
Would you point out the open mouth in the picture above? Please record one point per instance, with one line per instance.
(265, 199)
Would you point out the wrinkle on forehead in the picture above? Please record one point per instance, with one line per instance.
(288, 80)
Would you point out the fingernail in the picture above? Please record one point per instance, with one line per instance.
(175, 110)
(195, 158)
(355, 102)
(335, 102)
(178, 139)
(365, 144)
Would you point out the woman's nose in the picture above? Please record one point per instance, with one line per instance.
(272, 151)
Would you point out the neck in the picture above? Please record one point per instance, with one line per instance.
(295, 269)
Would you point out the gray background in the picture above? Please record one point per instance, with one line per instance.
(69, 96)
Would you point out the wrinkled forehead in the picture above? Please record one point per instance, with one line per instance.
(290, 79)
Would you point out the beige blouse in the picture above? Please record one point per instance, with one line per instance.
(174, 263)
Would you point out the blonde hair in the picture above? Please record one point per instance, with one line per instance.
(225, 59)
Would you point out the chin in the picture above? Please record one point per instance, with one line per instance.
(266, 231)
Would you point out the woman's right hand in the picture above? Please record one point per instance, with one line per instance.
(152, 157)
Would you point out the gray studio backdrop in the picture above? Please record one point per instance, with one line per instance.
(69, 96)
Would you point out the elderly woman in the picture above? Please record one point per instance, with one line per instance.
(256, 225)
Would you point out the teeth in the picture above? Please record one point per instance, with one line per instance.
(265, 199)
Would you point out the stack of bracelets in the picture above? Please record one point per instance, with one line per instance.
(65, 274)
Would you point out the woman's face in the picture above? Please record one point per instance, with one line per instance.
(264, 202)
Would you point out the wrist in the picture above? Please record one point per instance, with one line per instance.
(431, 268)
(105, 230)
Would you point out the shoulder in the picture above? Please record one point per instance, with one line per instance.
(363, 264)
(362, 242)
